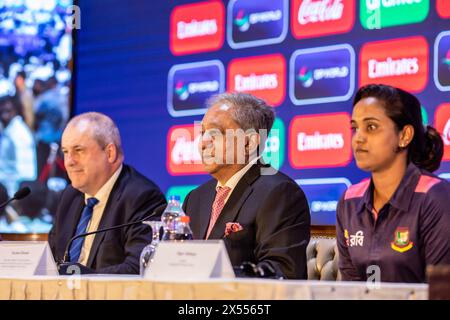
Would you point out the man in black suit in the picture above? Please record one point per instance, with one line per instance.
(261, 214)
(104, 192)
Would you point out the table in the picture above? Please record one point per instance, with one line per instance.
(134, 287)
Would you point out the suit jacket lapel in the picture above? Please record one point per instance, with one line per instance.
(107, 216)
(237, 198)
(204, 212)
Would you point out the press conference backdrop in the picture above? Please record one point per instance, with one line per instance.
(150, 65)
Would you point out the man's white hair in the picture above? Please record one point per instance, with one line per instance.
(102, 127)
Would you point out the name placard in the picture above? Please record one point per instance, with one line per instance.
(26, 258)
(190, 260)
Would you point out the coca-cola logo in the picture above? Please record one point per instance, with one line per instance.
(315, 18)
(183, 155)
(186, 151)
(319, 11)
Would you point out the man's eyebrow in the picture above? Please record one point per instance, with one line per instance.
(72, 147)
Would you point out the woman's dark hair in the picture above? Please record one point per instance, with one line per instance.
(426, 148)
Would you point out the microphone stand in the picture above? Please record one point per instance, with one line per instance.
(65, 263)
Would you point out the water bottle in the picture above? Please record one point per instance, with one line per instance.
(183, 230)
(169, 217)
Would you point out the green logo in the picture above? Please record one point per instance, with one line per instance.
(275, 145)
(181, 191)
(424, 115)
(378, 14)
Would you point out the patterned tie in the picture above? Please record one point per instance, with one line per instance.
(219, 202)
(86, 215)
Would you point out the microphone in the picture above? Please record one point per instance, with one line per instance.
(158, 211)
(20, 194)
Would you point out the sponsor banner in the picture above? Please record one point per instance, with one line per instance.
(262, 76)
(378, 14)
(317, 141)
(316, 18)
(443, 8)
(181, 191)
(183, 156)
(197, 27)
(253, 23)
(322, 75)
(190, 85)
(401, 63)
(323, 196)
(441, 68)
(442, 125)
(276, 144)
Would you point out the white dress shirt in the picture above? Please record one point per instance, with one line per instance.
(234, 180)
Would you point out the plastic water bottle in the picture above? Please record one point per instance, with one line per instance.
(169, 217)
(183, 230)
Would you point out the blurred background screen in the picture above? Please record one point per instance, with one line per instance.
(35, 78)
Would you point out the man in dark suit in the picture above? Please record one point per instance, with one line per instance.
(104, 192)
(261, 214)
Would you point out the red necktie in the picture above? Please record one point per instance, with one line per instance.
(219, 202)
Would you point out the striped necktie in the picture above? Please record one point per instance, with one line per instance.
(219, 203)
(86, 215)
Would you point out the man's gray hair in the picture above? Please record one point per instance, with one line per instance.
(104, 130)
(248, 111)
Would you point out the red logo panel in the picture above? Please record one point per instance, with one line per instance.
(320, 140)
(442, 124)
(263, 76)
(183, 156)
(401, 63)
(443, 8)
(197, 27)
(315, 18)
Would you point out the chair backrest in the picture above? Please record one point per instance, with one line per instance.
(322, 256)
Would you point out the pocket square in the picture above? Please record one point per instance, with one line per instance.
(232, 227)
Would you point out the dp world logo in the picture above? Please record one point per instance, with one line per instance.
(323, 196)
(446, 60)
(253, 24)
(305, 77)
(190, 85)
(442, 61)
(181, 90)
(242, 21)
(321, 75)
